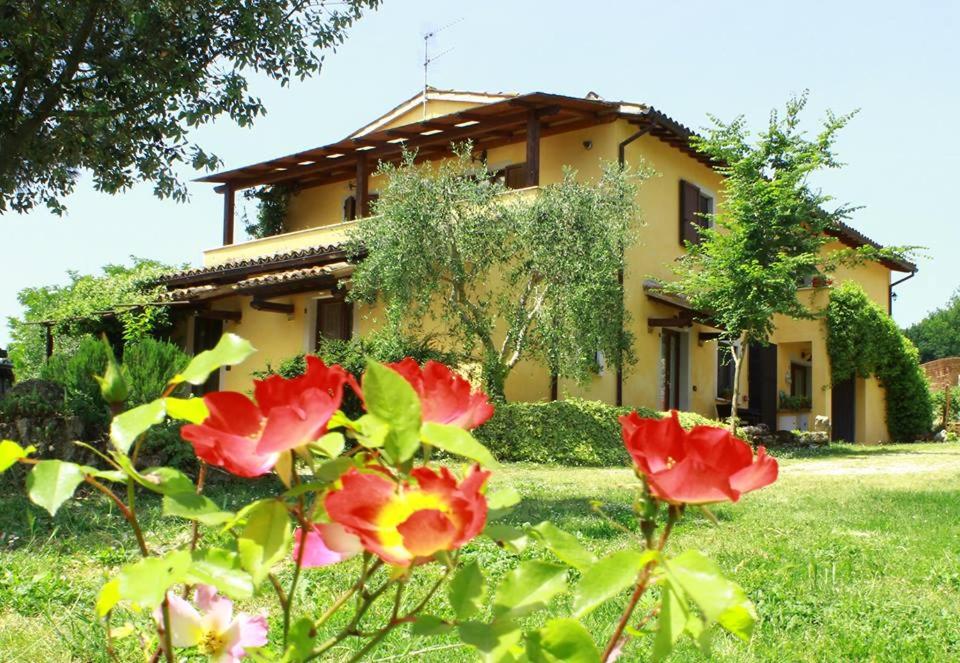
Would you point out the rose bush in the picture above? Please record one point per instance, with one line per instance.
(362, 497)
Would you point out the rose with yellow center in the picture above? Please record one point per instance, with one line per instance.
(411, 522)
(211, 626)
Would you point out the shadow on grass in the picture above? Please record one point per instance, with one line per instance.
(844, 450)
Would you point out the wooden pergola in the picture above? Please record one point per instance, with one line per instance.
(526, 118)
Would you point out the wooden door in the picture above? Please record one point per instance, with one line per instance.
(843, 405)
(206, 334)
(670, 360)
(762, 384)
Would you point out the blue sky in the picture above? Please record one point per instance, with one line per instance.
(895, 62)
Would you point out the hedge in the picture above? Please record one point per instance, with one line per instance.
(863, 341)
(570, 432)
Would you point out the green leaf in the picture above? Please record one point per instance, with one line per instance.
(608, 577)
(146, 582)
(456, 440)
(11, 452)
(165, 480)
(427, 625)
(266, 538)
(721, 601)
(113, 386)
(390, 398)
(507, 536)
(193, 410)
(671, 622)
(111, 475)
(371, 431)
(128, 426)
(303, 637)
(229, 351)
(503, 499)
(467, 590)
(494, 641)
(563, 640)
(331, 444)
(564, 545)
(192, 506)
(52, 482)
(221, 568)
(529, 587)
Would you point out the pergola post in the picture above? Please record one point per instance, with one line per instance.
(228, 212)
(532, 165)
(49, 340)
(363, 188)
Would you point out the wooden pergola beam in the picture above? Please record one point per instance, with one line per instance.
(229, 202)
(271, 307)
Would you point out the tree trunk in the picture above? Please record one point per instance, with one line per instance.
(738, 356)
(494, 376)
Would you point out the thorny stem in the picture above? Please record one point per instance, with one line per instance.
(304, 526)
(643, 581)
(166, 635)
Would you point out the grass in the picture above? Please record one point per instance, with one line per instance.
(853, 555)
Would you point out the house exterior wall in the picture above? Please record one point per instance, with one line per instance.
(316, 215)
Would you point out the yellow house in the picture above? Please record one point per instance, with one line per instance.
(282, 293)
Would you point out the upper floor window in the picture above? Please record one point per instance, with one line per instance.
(351, 209)
(696, 206)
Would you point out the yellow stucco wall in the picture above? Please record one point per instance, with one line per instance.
(650, 255)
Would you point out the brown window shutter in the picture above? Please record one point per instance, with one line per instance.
(689, 207)
(350, 208)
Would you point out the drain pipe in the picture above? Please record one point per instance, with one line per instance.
(895, 284)
(622, 160)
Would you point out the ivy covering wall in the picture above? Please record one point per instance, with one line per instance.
(272, 205)
(863, 341)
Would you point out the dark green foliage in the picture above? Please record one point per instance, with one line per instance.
(113, 87)
(572, 432)
(939, 398)
(74, 371)
(163, 446)
(78, 309)
(28, 405)
(272, 204)
(148, 365)
(864, 341)
(938, 335)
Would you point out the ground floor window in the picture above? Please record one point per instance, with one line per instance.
(334, 321)
(800, 380)
(726, 370)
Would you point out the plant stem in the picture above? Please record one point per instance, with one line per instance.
(304, 527)
(166, 635)
(643, 581)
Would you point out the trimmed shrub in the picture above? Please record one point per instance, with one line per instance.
(569, 432)
(863, 341)
(148, 365)
(74, 371)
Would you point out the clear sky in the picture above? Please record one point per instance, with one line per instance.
(896, 62)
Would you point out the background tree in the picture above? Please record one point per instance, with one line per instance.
(938, 334)
(112, 86)
(76, 311)
(768, 231)
(507, 277)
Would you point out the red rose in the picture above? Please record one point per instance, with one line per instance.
(445, 396)
(703, 465)
(411, 522)
(245, 438)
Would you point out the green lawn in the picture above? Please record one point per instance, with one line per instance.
(853, 555)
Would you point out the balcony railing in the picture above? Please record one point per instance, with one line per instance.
(334, 233)
(331, 234)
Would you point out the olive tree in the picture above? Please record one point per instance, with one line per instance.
(504, 277)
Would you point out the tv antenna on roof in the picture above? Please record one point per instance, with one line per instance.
(427, 59)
